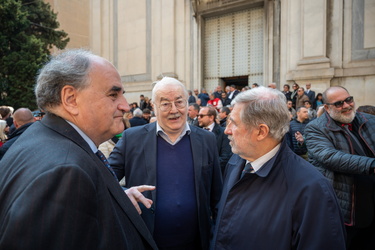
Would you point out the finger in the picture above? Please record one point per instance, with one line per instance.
(133, 200)
(143, 188)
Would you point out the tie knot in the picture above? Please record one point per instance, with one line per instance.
(105, 161)
(206, 129)
(247, 169)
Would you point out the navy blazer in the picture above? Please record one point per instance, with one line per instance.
(311, 96)
(55, 193)
(135, 158)
(287, 204)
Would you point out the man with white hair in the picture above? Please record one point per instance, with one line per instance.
(272, 198)
(181, 161)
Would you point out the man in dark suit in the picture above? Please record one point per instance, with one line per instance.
(207, 120)
(272, 198)
(310, 94)
(193, 112)
(22, 119)
(233, 92)
(181, 161)
(137, 119)
(55, 191)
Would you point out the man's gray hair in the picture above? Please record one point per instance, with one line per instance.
(137, 112)
(264, 106)
(164, 83)
(71, 67)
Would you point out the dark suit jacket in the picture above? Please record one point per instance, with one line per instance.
(135, 157)
(137, 121)
(311, 96)
(286, 204)
(56, 193)
(223, 146)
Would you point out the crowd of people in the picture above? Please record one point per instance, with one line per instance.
(185, 169)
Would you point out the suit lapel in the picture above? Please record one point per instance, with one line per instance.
(196, 150)
(61, 126)
(150, 155)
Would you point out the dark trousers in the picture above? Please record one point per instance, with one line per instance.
(361, 238)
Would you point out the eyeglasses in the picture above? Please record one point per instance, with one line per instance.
(339, 104)
(166, 106)
(201, 116)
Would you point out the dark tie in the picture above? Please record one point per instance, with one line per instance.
(247, 169)
(207, 129)
(106, 163)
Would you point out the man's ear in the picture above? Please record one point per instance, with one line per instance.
(263, 131)
(69, 99)
(326, 108)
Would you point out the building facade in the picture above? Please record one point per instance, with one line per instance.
(205, 43)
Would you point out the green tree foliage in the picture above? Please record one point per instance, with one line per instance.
(27, 32)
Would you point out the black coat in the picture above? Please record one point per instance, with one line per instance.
(12, 138)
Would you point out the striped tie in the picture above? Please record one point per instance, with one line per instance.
(106, 163)
(247, 169)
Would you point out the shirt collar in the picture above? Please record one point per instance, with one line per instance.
(160, 131)
(85, 137)
(258, 163)
(211, 126)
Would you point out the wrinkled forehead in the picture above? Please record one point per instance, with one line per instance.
(170, 93)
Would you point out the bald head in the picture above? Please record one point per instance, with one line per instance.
(22, 116)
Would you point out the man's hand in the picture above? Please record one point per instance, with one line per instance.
(299, 137)
(135, 195)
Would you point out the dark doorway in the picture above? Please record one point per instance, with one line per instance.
(239, 81)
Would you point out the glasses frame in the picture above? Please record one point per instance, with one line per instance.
(169, 107)
(339, 104)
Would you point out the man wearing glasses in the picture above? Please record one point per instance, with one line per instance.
(341, 144)
(180, 163)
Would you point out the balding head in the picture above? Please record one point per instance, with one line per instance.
(22, 116)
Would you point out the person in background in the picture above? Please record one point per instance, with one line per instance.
(193, 112)
(203, 96)
(310, 94)
(245, 88)
(191, 98)
(57, 190)
(6, 115)
(294, 137)
(218, 92)
(272, 85)
(3, 136)
(223, 116)
(233, 92)
(312, 112)
(22, 119)
(341, 144)
(292, 111)
(137, 119)
(301, 98)
(272, 198)
(225, 100)
(215, 102)
(146, 115)
(254, 85)
(142, 102)
(369, 109)
(318, 101)
(294, 95)
(179, 213)
(206, 118)
(287, 92)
